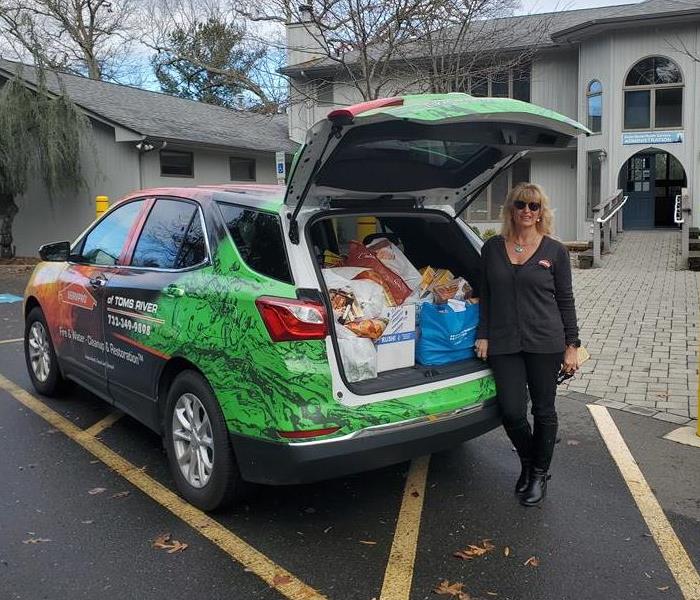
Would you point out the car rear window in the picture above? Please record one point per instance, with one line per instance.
(258, 238)
(171, 238)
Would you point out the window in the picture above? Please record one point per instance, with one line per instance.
(171, 238)
(103, 245)
(242, 169)
(595, 106)
(176, 164)
(593, 182)
(654, 95)
(487, 206)
(512, 83)
(258, 239)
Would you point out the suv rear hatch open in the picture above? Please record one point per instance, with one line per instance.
(424, 150)
(414, 163)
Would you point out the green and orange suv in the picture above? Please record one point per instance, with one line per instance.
(202, 312)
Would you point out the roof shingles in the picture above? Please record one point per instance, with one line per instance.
(158, 115)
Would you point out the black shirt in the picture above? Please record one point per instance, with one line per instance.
(527, 308)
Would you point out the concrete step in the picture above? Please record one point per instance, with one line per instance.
(694, 233)
(695, 245)
(585, 259)
(694, 261)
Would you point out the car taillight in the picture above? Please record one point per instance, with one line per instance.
(289, 320)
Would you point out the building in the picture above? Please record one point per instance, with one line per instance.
(145, 139)
(631, 73)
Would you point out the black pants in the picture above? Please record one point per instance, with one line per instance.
(515, 375)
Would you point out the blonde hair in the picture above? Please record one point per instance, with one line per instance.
(527, 192)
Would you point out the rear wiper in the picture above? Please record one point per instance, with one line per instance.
(479, 184)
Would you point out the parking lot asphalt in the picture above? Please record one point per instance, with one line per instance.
(589, 539)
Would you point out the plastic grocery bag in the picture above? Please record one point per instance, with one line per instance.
(358, 354)
(361, 256)
(446, 335)
(392, 257)
(368, 294)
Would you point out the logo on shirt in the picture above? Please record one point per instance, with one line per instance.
(545, 263)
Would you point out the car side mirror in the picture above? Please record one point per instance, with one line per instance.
(55, 252)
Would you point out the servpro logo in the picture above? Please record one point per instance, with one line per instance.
(77, 295)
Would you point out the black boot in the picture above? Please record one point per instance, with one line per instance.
(521, 437)
(536, 489)
(524, 479)
(543, 440)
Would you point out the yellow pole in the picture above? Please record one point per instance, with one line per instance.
(101, 205)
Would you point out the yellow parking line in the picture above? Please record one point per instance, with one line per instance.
(665, 537)
(399, 571)
(105, 423)
(11, 341)
(250, 558)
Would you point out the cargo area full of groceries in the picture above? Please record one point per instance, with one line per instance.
(404, 295)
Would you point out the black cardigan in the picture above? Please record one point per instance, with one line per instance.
(528, 308)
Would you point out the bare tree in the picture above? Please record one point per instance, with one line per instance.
(383, 47)
(87, 37)
(174, 26)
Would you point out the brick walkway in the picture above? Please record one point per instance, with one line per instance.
(638, 316)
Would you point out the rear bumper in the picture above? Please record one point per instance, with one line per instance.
(303, 462)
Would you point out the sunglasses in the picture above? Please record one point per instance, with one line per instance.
(563, 376)
(533, 206)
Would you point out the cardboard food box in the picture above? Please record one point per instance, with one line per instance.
(396, 347)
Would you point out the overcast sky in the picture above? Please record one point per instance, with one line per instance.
(539, 6)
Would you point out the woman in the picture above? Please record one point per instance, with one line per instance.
(528, 329)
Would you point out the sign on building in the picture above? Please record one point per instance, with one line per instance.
(281, 168)
(652, 137)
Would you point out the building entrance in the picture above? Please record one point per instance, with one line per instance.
(651, 180)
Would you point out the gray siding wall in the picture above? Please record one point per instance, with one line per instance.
(109, 169)
(556, 173)
(555, 82)
(112, 169)
(210, 166)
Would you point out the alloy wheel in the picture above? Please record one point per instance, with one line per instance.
(193, 440)
(39, 351)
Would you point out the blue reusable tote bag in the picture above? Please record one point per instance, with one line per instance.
(445, 335)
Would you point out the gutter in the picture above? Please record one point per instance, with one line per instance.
(565, 34)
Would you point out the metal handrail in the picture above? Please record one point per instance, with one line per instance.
(614, 212)
(678, 210)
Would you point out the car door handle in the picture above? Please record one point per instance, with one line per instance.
(173, 291)
(98, 281)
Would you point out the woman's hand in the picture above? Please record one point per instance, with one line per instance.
(482, 347)
(571, 360)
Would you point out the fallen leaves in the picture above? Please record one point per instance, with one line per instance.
(454, 590)
(166, 542)
(97, 490)
(506, 551)
(472, 551)
(278, 580)
(36, 541)
(662, 589)
(120, 495)
(572, 442)
(533, 561)
(368, 542)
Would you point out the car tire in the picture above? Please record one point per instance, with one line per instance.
(40, 355)
(203, 466)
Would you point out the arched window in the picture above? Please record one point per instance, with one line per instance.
(654, 95)
(594, 98)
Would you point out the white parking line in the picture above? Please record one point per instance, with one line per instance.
(665, 537)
